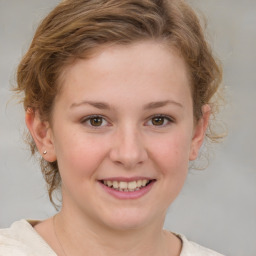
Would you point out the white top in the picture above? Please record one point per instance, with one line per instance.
(21, 239)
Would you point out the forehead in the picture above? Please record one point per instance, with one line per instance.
(137, 67)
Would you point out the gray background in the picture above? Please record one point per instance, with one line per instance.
(217, 207)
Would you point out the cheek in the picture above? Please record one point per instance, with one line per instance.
(78, 156)
(171, 159)
(172, 153)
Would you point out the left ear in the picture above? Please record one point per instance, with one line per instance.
(199, 132)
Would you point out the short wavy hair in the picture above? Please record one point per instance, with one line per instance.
(75, 28)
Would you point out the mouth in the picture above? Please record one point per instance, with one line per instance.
(124, 186)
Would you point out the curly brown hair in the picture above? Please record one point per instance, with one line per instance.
(75, 28)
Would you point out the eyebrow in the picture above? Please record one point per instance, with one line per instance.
(159, 104)
(99, 105)
(106, 106)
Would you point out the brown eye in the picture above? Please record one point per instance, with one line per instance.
(158, 120)
(96, 121)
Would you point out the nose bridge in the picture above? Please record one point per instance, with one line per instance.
(129, 149)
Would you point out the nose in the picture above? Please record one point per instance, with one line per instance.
(128, 148)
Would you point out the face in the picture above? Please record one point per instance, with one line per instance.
(123, 133)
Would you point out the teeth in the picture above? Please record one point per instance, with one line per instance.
(115, 184)
(123, 185)
(144, 182)
(109, 183)
(126, 186)
(139, 183)
(132, 185)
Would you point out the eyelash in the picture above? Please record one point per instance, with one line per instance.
(167, 120)
(89, 119)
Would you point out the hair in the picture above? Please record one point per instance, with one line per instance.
(75, 28)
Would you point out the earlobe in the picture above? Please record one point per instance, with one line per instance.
(199, 132)
(41, 133)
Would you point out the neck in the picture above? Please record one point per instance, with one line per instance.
(79, 235)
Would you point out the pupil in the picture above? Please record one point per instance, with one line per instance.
(96, 121)
(158, 120)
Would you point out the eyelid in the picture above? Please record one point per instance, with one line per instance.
(167, 117)
(87, 118)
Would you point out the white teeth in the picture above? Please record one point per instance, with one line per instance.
(123, 185)
(115, 184)
(126, 186)
(109, 183)
(144, 182)
(132, 185)
(139, 183)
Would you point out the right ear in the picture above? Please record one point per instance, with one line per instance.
(42, 134)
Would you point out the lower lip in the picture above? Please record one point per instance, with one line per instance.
(130, 194)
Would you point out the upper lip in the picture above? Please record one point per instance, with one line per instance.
(127, 179)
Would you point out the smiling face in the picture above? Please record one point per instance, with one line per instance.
(123, 133)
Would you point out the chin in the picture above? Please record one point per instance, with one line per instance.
(123, 220)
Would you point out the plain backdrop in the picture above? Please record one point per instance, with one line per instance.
(217, 207)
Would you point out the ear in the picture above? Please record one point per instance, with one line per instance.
(41, 133)
(199, 132)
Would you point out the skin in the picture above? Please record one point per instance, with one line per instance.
(133, 84)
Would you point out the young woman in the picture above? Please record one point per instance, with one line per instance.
(118, 98)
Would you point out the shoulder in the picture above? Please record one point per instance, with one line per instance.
(21, 239)
(192, 249)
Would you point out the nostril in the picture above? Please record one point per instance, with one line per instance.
(128, 159)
